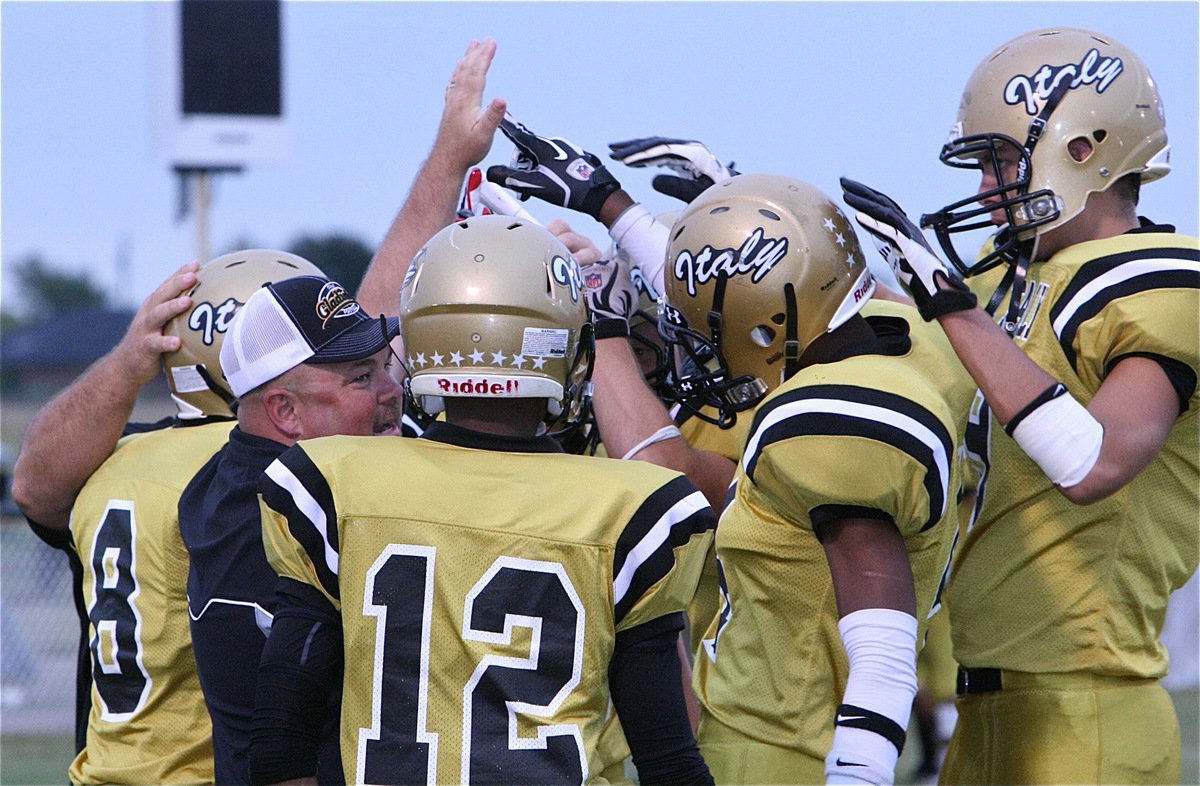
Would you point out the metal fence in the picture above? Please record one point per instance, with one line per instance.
(39, 635)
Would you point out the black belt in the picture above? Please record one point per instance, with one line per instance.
(977, 681)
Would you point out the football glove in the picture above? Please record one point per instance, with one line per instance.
(905, 249)
(612, 296)
(696, 167)
(554, 170)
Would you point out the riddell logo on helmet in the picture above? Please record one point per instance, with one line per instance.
(480, 387)
(333, 302)
(756, 256)
(1027, 90)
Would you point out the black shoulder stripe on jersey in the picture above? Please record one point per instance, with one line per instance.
(848, 410)
(1181, 376)
(294, 487)
(1080, 301)
(823, 515)
(645, 550)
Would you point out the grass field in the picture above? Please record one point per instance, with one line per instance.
(44, 759)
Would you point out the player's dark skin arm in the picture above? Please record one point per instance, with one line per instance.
(869, 565)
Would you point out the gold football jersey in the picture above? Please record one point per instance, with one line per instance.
(148, 722)
(1042, 584)
(727, 442)
(480, 594)
(873, 431)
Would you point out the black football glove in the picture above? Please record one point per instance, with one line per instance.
(612, 296)
(901, 243)
(554, 170)
(695, 164)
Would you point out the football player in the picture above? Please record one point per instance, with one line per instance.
(482, 633)
(147, 721)
(841, 515)
(1086, 428)
(304, 360)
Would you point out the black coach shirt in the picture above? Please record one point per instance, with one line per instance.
(231, 599)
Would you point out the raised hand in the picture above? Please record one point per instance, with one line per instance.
(901, 243)
(467, 127)
(695, 165)
(612, 296)
(554, 170)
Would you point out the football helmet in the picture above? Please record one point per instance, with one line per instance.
(758, 267)
(193, 371)
(493, 307)
(1029, 100)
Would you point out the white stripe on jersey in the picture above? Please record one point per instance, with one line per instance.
(1117, 275)
(888, 417)
(654, 538)
(307, 505)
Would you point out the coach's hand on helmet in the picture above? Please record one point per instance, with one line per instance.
(554, 170)
(141, 349)
(612, 296)
(696, 166)
(910, 256)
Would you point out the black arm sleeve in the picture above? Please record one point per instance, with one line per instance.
(647, 692)
(300, 664)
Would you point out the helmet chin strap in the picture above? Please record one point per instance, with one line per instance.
(221, 392)
(791, 342)
(1027, 251)
(1016, 278)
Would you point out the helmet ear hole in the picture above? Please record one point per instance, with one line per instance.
(779, 318)
(763, 335)
(1081, 149)
(1099, 135)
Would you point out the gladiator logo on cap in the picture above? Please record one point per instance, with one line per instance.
(333, 302)
(756, 256)
(566, 272)
(1027, 90)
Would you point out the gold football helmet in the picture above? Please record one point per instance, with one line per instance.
(493, 307)
(758, 267)
(1035, 96)
(193, 371)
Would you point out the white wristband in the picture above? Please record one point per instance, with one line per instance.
(1061, 437)
(663, 434)
(881, 645)
(645, 241)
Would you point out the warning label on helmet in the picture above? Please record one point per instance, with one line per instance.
(187, 379)
(545, 342)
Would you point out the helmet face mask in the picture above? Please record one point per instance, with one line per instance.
(1021, 207)
(198, 386)
(1075, 112)
(700, 377)
(493, 307)
(758, 267)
